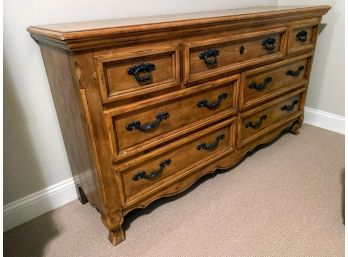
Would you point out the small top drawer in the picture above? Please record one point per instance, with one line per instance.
(225, 53)
(128, 73)
(302, 37)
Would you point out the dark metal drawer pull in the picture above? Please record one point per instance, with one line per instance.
(153, 174)
(148, 126)
(269, 44)
(213, 105)
(142, 72)
(295, 73)
(212, 145)
(210, 56)
(289, 107)
(256, 125)
(261, 86)
(302, 36)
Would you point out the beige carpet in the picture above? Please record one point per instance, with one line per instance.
(285, 200)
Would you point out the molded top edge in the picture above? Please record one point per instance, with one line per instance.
(79, 30)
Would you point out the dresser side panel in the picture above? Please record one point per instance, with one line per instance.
(72, 122)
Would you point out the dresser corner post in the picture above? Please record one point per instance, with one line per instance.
(84, 70)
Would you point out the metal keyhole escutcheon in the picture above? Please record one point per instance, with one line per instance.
(242, 50)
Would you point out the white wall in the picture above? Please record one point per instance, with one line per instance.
(34, 153)
(326, 87)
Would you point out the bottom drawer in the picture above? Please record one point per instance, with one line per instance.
(262, 119)
(150, 172)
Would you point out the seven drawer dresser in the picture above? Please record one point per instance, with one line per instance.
(147, 106)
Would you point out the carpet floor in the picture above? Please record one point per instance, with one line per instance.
(284, 200)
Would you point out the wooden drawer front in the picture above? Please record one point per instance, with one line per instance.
(302, 37)
(227, 53)
(276, 111)
(131, 129)
(132, 73)
(198, 147)
(264, 83)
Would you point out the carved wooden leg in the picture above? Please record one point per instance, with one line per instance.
(116, 235)
(113, 221)
(295, 128)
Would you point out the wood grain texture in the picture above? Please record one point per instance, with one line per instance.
(307, 42)
(73, 30)
(78, 36)
(180, 114)
(113, 66)
(272, 114)
(178, 159)
(279, 80)
(132, 137)
(230, 56)
(72, 122)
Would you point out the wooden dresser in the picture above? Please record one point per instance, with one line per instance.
(148, 106)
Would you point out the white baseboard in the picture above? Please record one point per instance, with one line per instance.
(38, 203)
(324, 120)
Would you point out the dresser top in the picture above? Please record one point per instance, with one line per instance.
(88, 29)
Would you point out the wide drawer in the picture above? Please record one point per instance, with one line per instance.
(257, 122)
(302, 36)
(137, 71)
(263, 83)
(156, 170)
(154, 120)
(225, 53)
